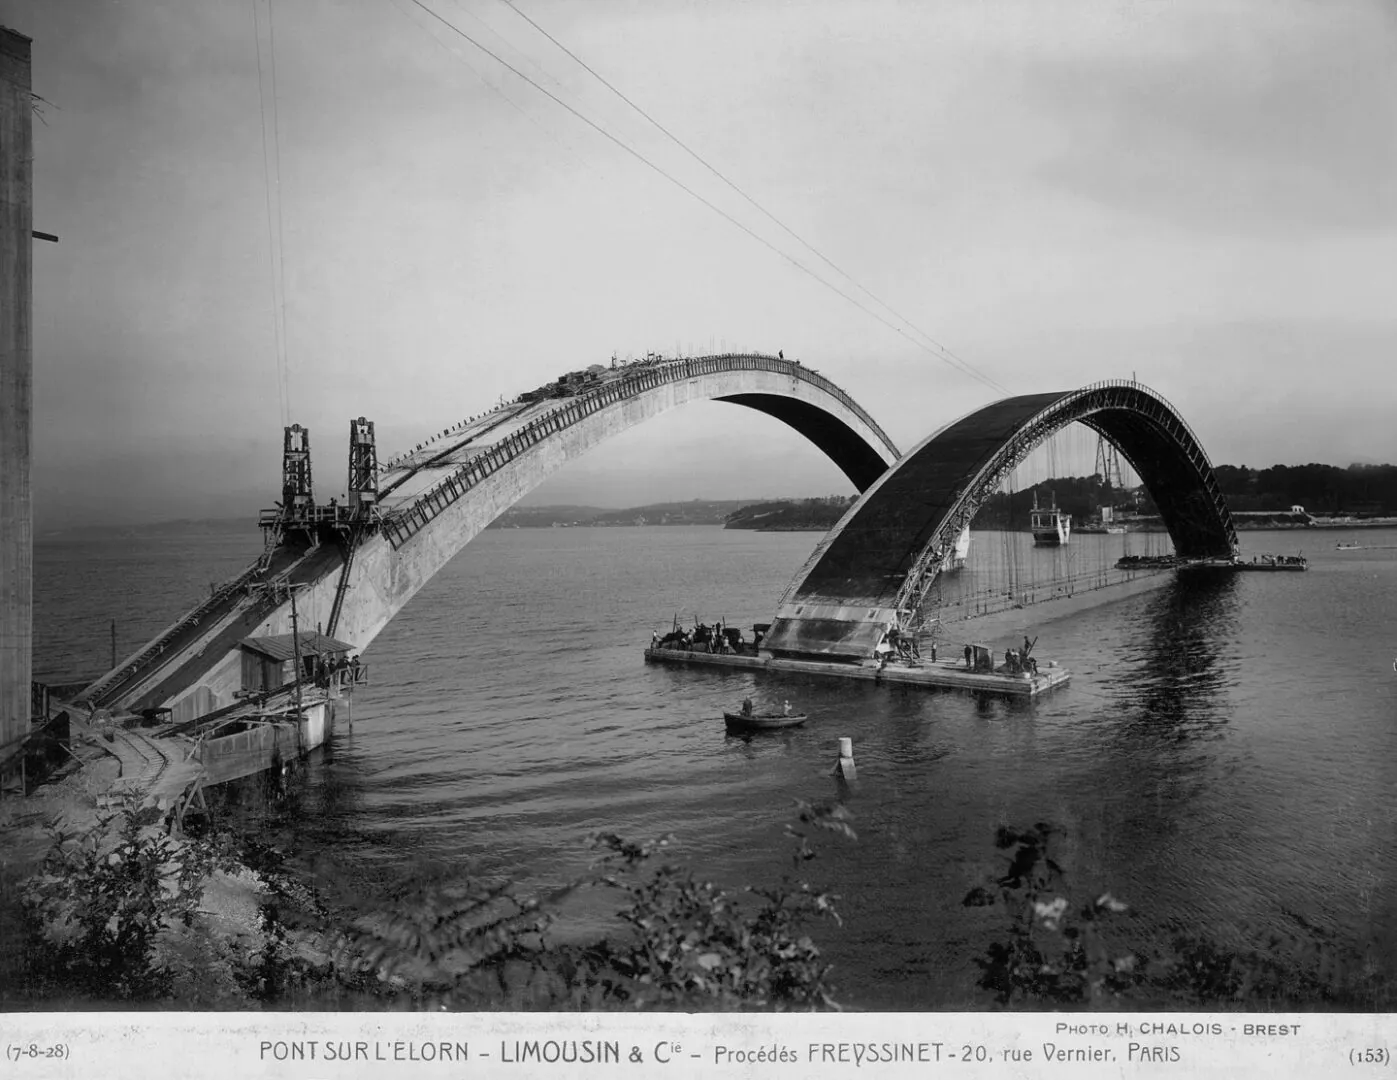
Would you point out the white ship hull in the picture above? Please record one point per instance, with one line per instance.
(1051, 529)
(956, 559)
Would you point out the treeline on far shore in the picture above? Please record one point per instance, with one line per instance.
(1323, 490)
(1359, 491)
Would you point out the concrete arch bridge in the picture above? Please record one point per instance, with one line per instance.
(876, 565)
(352, 567)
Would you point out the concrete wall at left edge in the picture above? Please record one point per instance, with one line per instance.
(16, 388)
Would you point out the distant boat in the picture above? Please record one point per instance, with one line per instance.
(1349, 546)
(743, 721)
(1051, 527)
(1103, 523)
(1100, 529)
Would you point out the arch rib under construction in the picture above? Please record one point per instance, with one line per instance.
(876, 565)
(431, 501)
(811, 404)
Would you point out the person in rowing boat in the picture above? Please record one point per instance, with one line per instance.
(786, 709)
(746, 706)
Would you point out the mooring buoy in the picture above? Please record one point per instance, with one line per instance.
(845, 766)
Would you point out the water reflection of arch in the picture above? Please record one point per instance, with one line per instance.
(1179, 676)
(1163, 772)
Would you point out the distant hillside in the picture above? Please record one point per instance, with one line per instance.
(791, 515)
(1361, 494)
(693, 512)
(543, 517)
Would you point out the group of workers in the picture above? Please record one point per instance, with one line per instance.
(718, 638)
(330, 670)
(898, 644)
(1016, 661)
(747, 707)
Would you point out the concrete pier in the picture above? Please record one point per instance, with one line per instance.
(946, 674)
(16, 391)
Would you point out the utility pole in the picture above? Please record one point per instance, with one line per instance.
(296, 647)
(278, 589)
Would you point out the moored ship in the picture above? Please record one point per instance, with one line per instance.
(1051, 527)
(955, 559)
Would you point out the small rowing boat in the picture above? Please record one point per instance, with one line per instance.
(741, 721)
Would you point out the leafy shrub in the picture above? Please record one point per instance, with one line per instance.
(1057, 952)
(688, 944)
(445, 941)
(695, 946)
(103, 897)
(108, 909)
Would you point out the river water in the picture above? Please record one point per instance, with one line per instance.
(1223, 759)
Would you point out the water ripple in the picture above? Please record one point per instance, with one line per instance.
(1222, 758)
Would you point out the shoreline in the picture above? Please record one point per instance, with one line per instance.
(211, 958)
(1242, 525)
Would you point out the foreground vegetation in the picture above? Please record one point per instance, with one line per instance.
(460, 942)
(1060, 951)
(114, 917)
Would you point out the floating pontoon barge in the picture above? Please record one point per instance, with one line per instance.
(946, 674)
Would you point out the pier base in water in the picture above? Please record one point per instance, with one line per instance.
(950, 674)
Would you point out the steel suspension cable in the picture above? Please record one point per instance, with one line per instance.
(277, 307)
(280, 226)
(983, 379)
(951, 357)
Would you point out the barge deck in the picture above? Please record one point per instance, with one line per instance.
(946, 674)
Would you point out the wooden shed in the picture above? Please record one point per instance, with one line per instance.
(269, 662)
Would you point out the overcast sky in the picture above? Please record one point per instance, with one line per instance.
(1204, 194)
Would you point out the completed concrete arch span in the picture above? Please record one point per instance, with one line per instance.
(883, 555)
(439, 496)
